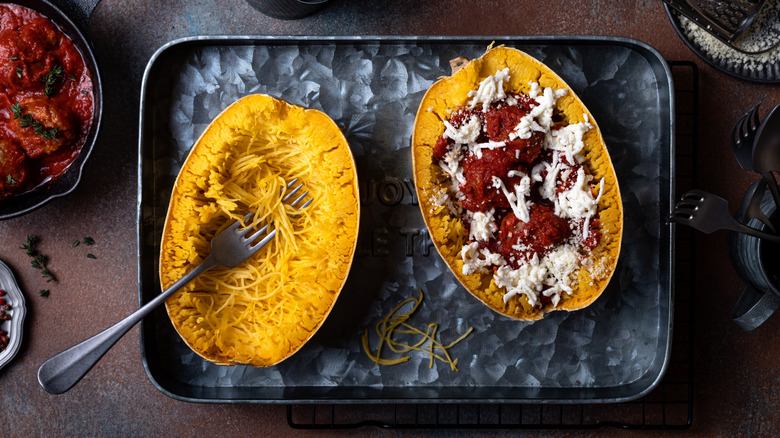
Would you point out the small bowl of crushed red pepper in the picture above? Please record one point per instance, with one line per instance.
(12, 312)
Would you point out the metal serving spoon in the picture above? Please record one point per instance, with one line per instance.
(766, 151)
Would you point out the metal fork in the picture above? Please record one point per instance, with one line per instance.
(751, 205)
(707, 212)
(229, 248)
(742, 135)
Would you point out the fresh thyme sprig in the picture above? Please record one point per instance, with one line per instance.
(29, 247)
(38, 260)
(27, 120)
(41, 130)
(51, 78)
(16, 109)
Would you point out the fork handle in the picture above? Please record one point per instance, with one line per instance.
(769, 177)
(65, 369)
(750, 231)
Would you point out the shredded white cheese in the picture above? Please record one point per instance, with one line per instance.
(473, 263)
(516, 198)
(569, 140)
(482, 225)
(491, 89)
(554, 273)
(476, 148)
(466, 133)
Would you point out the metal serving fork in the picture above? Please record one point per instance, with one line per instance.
(229, 248)
(707, 213)
(751, 205)
(742, 135)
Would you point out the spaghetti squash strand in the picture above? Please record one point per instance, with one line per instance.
(266, 301)
(395, 323)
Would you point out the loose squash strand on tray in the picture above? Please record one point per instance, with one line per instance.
(396, 323)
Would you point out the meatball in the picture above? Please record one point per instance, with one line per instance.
(13, 168)
(29, 55)
(480, 192)
(44, 128)
(501, 122)
(543, 231)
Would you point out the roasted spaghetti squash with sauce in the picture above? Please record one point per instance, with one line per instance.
(516, 186)
(265, 309)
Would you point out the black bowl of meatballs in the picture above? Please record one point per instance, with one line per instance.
(50, 105)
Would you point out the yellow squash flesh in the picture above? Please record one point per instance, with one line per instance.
(265, 309)
(447, 231)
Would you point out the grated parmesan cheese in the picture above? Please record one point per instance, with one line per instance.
(759, 37)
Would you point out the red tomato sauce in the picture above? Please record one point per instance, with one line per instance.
(521, 240)
(517, 241)
(46, 100)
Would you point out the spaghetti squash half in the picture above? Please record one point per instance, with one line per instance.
(516, 186)
(265, 309)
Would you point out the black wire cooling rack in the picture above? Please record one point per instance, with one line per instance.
(668, 406)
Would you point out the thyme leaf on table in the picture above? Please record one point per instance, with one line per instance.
(39, 260)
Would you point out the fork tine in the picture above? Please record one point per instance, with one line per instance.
(236, 224)
(245, 230)
(299, 199)
(264, 229)
(746, 126)
(737, 131)
(687, 204)
(292, 192)
(691, 197)
(254, 248)
(306, 204)
(233, 227)
(683, 212)
(259, 233)
(755, 120)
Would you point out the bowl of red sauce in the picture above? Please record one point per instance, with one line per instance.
(50, 105)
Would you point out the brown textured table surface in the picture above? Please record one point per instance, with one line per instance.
(736, 390)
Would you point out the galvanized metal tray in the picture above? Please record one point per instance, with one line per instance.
(615, 350)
